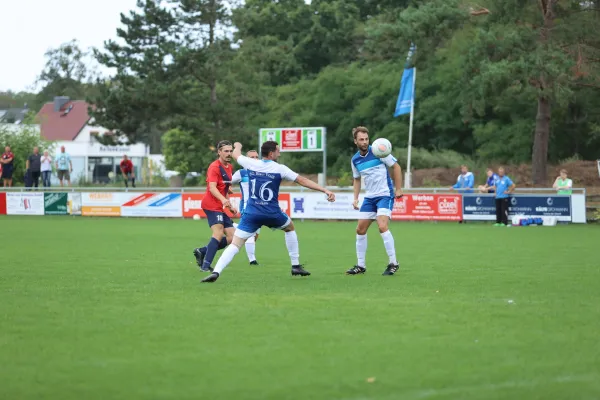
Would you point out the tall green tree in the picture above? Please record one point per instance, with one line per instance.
(67, 72)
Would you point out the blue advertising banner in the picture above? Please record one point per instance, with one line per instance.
(483, 208)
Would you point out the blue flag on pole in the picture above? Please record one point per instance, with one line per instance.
(406, 97)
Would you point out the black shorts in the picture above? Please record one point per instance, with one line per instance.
(218, 217)
(7, 173)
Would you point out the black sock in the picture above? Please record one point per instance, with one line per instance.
(211, 251)
(133, 182)
(223, 243)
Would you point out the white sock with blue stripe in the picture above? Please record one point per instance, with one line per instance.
(388, 242)
(361, 250)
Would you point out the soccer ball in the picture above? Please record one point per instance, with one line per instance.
(381, 148)
(196, 217)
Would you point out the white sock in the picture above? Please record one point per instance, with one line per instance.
(235, 225)
(291, 241)
(361, 250)
(388, 242)
(226, 258)
(251, 249)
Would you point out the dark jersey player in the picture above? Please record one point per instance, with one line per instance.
(218, 181)
(127, 171)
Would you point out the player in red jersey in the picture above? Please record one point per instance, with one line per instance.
(127, 171)
(218, 181)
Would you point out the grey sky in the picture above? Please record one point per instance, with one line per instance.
(30, 27)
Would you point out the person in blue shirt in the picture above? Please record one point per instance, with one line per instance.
(504, 187)
(489, 184)
(465, 181)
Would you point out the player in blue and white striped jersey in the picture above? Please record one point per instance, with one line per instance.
(378, 201)
(241, 177)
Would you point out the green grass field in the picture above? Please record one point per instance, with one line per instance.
(113, 309)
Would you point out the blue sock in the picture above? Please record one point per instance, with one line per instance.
(211, 251)
(223, 243)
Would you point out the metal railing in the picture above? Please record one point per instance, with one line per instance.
(293, 189)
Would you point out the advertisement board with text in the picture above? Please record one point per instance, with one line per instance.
(192, 204)
(483, 208)
(55, 203)
(428, 207)
(25, 203)
(315, 206)
(102, 204)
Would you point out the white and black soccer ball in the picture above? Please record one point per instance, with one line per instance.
(381, 148)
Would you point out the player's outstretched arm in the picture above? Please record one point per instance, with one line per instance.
(307, 183)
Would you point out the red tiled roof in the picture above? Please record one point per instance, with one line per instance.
(56, 126)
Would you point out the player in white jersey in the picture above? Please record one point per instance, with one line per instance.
(379, 199)
(241, 177)
(265, 177)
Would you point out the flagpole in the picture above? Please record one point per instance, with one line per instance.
(407, 177)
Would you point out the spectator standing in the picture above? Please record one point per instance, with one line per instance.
(64, 166)
(7, 166)
(46, 168)
(562, 184)
(34, 166)
(127, 171)
(489, 184)
(465, 181)
(504, 187)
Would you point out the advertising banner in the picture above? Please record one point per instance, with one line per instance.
(55, 203)
(152, 205)
(192, 204)
(31, 203)
(483, 208)
(316, 206)
(2, 203)
(428, 207)
(101, 204)
(74, 203)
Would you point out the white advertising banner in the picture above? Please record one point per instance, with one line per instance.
(25, 203)
(74, 203)
(101, 204)
(152, 205)
(316, 206)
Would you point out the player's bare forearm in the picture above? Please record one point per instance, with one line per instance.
(397, 176)
(237, 150)
(307, 183)
(212, 188)
(357, 186)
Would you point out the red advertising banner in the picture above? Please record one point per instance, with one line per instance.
(291, 139)
(192, 204)
(2, 203)
(428, 207)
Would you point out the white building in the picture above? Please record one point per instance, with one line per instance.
(67, 123)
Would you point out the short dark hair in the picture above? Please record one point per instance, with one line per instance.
(358, 129)
(223, 143)
(268, 147)
(251, 151)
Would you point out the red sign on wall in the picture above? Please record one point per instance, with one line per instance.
(192, 204)
(291, 139)
(2, 203)
(428, 207)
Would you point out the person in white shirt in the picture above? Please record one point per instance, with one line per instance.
(46, 169)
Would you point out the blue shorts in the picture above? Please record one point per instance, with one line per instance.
(372, 207)
(218, 217)
(251, 223)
